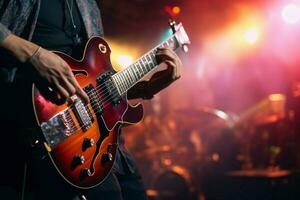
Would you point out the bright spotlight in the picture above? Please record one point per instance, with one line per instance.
(251, 35)
(291, 13)
(124, 60)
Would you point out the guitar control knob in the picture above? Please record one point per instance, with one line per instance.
(87, 143)
(85, 172)
(106, 157)
(78, 159)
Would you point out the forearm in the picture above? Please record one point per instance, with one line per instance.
(20, 48)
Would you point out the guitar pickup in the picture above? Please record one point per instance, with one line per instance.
(108, 89)
(95, 101)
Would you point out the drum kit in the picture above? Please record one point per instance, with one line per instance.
(209, 142)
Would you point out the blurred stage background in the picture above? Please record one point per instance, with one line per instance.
(230, 127)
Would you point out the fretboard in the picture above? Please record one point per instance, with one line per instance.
(128, 77)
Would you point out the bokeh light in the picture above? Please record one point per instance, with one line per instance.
(176, 10)
(122, 55)
(291, 13)
(124, 60)
(251, 35)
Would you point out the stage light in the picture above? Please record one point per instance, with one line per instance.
(173, 11)
(124, 60)
(176, 10)
(122, 54)
(251, 35)
(291, 13)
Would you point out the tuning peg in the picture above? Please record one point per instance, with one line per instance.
(172, 25)
(185, 48)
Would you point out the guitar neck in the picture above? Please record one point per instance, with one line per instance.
(128, 77)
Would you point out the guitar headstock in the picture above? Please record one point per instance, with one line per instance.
(180, 34)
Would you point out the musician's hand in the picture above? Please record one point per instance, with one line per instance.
(162, 79)
(50, 70)
(58, 76)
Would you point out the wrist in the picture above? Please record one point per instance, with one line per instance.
(35, 54)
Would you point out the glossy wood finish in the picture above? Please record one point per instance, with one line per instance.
(94, 63)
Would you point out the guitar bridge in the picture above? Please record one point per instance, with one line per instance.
(58, 128)
(83, 115)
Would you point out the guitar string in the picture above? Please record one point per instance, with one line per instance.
(106, 94)
(151, 51)
(107, 101)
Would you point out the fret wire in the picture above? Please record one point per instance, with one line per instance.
(117, 78)
(126, 79)
(115, 82)
(146, 64)
(130, 75)
(126, 76)
(142, 66)
(152, 55)
(134, 69)
(151, 64)
(118, 82)
(144, 59)
(134, 75)
(139, 69)
(148, 58)
(122, 81)
(121, 84)
(145, 67)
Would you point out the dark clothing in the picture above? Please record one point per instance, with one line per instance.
(23, 18)
(59, 27)
(20, 18)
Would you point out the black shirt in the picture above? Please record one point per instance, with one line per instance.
(59, 27)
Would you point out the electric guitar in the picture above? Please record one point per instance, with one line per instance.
(82, 140)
